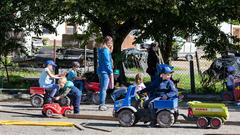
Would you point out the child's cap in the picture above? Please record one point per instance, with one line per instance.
(51, 62)
(116, 72)
(161, 68)
(231, 69)
(167, 70)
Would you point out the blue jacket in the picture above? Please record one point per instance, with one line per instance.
(104, 61)
(154, 87)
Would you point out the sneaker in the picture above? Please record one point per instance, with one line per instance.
(152, 124)
(102, 108)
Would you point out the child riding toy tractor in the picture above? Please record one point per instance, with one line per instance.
(165, 112)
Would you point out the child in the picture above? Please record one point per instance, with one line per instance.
(139, 87)
(72, 92)
(139, 83)
(165, 91)
(230, 78)
(47, 79)
(72, 76)
(166, 88)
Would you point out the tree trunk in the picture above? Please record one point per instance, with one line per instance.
(167, 51)
(5, 66)
(117, 58)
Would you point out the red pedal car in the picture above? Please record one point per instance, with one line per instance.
(50, 109)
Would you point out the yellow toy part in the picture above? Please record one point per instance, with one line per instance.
(200, 109)
(36, 123)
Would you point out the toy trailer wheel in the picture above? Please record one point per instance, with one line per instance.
(49, 113)
(215, 122)
(67, 112)
(95, 98)
(202, 122)
(126, 118)
(37, 100)
(165, 119)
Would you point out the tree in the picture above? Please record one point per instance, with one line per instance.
(17, 18)
(184, 18)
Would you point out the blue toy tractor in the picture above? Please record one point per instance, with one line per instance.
(164, 112)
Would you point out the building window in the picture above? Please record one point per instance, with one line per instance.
(71, 28)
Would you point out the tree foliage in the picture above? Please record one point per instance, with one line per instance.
(160, 20)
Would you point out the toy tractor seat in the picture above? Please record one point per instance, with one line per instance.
(119, 93)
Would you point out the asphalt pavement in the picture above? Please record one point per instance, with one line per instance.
(113, 126)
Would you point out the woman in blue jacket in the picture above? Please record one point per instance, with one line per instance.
(105, 69)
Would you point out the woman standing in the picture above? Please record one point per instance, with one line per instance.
(105, 69)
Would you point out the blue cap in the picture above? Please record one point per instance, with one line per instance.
(51, 62)
(167, 70)
(231, 68)
(164, 68)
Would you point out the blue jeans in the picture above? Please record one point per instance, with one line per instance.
(75, 96)
(53, 89)
(104, 81)
(79, 84)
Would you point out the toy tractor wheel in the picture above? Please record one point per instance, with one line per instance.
(67, 112)
(49, 113)
(227, 96)
(165, 119)
(64, 101)
(37, 100)
(126, 118)
(202, 122)
(215, 123)
(95, 98)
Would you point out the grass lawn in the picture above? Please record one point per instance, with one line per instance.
(16, 78)
(184, 84)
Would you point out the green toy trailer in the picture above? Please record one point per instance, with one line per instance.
(213, 114)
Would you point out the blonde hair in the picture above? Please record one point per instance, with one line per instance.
(64, 79)
(105, 40)
(139, 76)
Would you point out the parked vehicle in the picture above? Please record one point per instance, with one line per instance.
(187, 51)
(67, 56)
